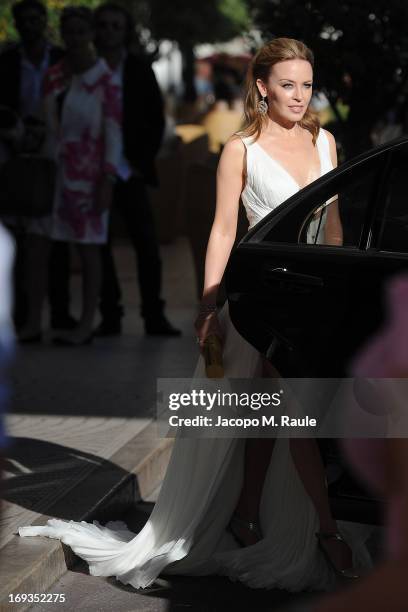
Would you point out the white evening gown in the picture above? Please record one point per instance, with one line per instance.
(186, 532)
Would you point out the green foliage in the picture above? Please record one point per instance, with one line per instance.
(54, 7)
(237, 12)
(7, 30)
(179, 20)
(197, 22)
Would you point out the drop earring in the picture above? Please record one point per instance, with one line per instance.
(262, 106)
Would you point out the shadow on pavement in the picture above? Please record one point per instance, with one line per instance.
(212, 594)
(42, 473)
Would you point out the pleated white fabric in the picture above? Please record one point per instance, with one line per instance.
(186, 532)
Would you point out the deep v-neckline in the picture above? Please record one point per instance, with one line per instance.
(282, 167)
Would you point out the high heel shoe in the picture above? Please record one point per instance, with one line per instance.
(324, 536)
(236, 524)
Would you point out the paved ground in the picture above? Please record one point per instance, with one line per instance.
(74, 407)
(170, 594)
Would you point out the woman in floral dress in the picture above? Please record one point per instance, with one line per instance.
(82, 105)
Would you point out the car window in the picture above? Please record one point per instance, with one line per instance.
(335, 212)
(393, 219)
(339, 219)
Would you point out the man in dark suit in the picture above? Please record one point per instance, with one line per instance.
(22, 69)
(143, 127)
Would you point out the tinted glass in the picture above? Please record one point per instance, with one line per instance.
(339, 220)
(393, 218)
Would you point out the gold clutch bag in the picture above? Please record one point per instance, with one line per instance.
(212, 348)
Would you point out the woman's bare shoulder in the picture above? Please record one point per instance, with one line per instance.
(233, 155)
(330, 137)
(235, 144)
(234, 149)
(332, 146)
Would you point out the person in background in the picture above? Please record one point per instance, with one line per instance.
(83, 118)
(142, 129)
(22, 70)
(204, 85)
(223, 119)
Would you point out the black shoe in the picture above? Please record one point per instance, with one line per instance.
(109, 328)
(65, 322)
(160, 326)
(72, 342)
(34, 339)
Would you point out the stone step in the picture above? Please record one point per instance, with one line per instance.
(93, 594)
(133, 473)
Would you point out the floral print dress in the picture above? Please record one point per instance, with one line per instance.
(83, 135)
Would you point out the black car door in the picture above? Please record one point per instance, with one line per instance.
(300, 297)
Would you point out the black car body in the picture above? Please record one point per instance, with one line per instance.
(308, 306)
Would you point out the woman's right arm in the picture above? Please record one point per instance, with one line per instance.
(230, 182)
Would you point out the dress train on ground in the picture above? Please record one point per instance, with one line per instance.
(186, 532)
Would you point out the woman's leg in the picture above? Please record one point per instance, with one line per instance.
(309, 465)
(308, 462)
(307, 459)
(258, 452)
(91, 284)
(35, 281)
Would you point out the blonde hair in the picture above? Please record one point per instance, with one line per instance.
(278, 50)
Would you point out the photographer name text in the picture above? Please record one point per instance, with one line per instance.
(245, 422)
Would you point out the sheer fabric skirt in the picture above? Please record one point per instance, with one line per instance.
(186, 532)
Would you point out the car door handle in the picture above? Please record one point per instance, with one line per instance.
(295, 277)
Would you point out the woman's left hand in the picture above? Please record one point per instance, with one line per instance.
(104, 195)
(206, 325)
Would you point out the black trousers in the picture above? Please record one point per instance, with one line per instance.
(132, 201)
(59, 283)
(59, 271)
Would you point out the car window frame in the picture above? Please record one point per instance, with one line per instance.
(324, 185)
(379, 224)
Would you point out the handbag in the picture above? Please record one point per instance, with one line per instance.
(27, 186)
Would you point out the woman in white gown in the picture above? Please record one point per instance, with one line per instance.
(213, 484)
